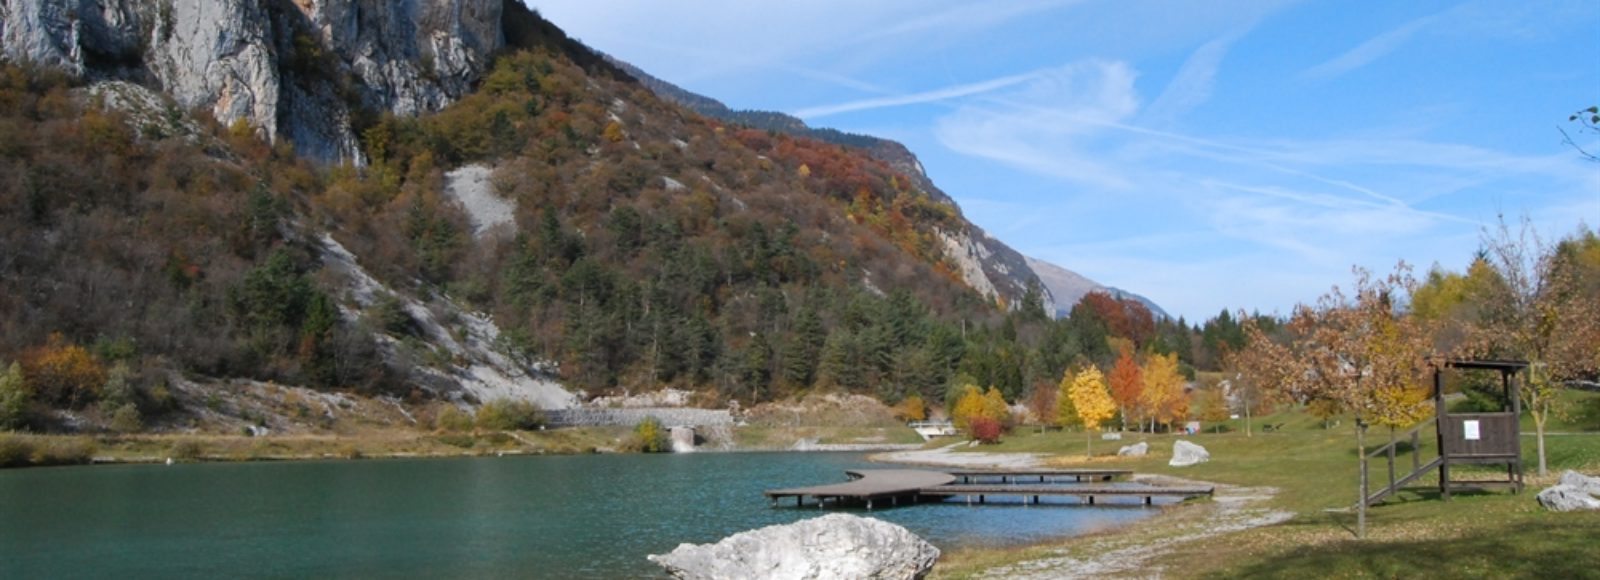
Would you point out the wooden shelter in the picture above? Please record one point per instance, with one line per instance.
(1493, 438)
(1481, 438)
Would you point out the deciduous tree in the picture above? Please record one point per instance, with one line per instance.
(1544, 313)
(1127, 385)
(1092, 402)
(1163, 396)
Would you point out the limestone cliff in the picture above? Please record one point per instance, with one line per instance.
(301, 69)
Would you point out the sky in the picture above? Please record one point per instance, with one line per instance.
(1208, 155)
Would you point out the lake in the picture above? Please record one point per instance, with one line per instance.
(588, 516)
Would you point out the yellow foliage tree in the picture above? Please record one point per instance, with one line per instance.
(969, 406)
(911, 409)
(1093, 403)
(995, 407)
(1163, 392)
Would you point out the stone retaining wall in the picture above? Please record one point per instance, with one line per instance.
(669, 416)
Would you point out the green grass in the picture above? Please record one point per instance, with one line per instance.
(1315, 470)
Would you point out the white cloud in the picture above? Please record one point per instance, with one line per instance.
(1192, 85)
(1041, 125)
(1368, 51)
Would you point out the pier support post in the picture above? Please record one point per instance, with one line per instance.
(1091, 500)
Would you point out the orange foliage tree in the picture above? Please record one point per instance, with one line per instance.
(1127, 385)
(63, 374)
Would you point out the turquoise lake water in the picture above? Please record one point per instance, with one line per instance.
(589, 516)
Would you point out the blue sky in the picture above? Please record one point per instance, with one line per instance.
(1209, 155)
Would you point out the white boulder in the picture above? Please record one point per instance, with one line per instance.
(1185, 454)
(1136, 450)
(1575, 492)
(832, 546)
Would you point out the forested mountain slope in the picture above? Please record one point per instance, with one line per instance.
(553, 230)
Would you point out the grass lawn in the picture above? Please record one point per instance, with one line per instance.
(1315, 470)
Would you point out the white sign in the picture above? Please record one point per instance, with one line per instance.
(1469, 430)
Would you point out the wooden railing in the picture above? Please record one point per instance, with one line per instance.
(1389, 452)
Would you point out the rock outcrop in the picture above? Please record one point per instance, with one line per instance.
(1574, 492)
(1185, 454)
(832, 546)
(286, 68)
(1136, 450)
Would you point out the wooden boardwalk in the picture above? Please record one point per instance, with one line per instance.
(868, 485)
(875, 486)
(1007, 475)
(1087, 492)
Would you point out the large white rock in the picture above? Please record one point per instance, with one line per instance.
(1575, 492)
(832, 546)
(1185, 454)
(1136, 450)
(1589, 485)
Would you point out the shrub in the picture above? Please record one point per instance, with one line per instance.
(452, 419)
(649, 436)
(64, 374)
(15, 451)
(127, 419)
(185, 450)
(985, 430)
(15, 399)
(911, 409)
(507, 415)
(72, 451)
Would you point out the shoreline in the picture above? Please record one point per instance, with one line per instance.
(164, 448)
(1117, 550)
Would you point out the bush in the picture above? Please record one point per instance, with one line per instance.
(127, 419)
(185, 450)
(985, 430)
(649, 436)
(65, 374)
(15, 399)
(507, 415)
(15, 451)
(73, 451)
(452, 419)
(911, 409)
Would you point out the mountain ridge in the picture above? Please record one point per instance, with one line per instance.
(1003, 263)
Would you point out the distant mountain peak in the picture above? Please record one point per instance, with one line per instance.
(1069, 287)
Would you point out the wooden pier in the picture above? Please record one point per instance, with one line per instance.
(1085, 492)
(868, 485)
(895, 486)
(1053, 475)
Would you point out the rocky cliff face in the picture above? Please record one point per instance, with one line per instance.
(300, 69)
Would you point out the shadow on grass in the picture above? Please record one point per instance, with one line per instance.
(1562, 548)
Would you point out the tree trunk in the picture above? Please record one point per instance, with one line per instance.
(1361, 511)
(1088, 440)
(1247, 417)
(1539, 418)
